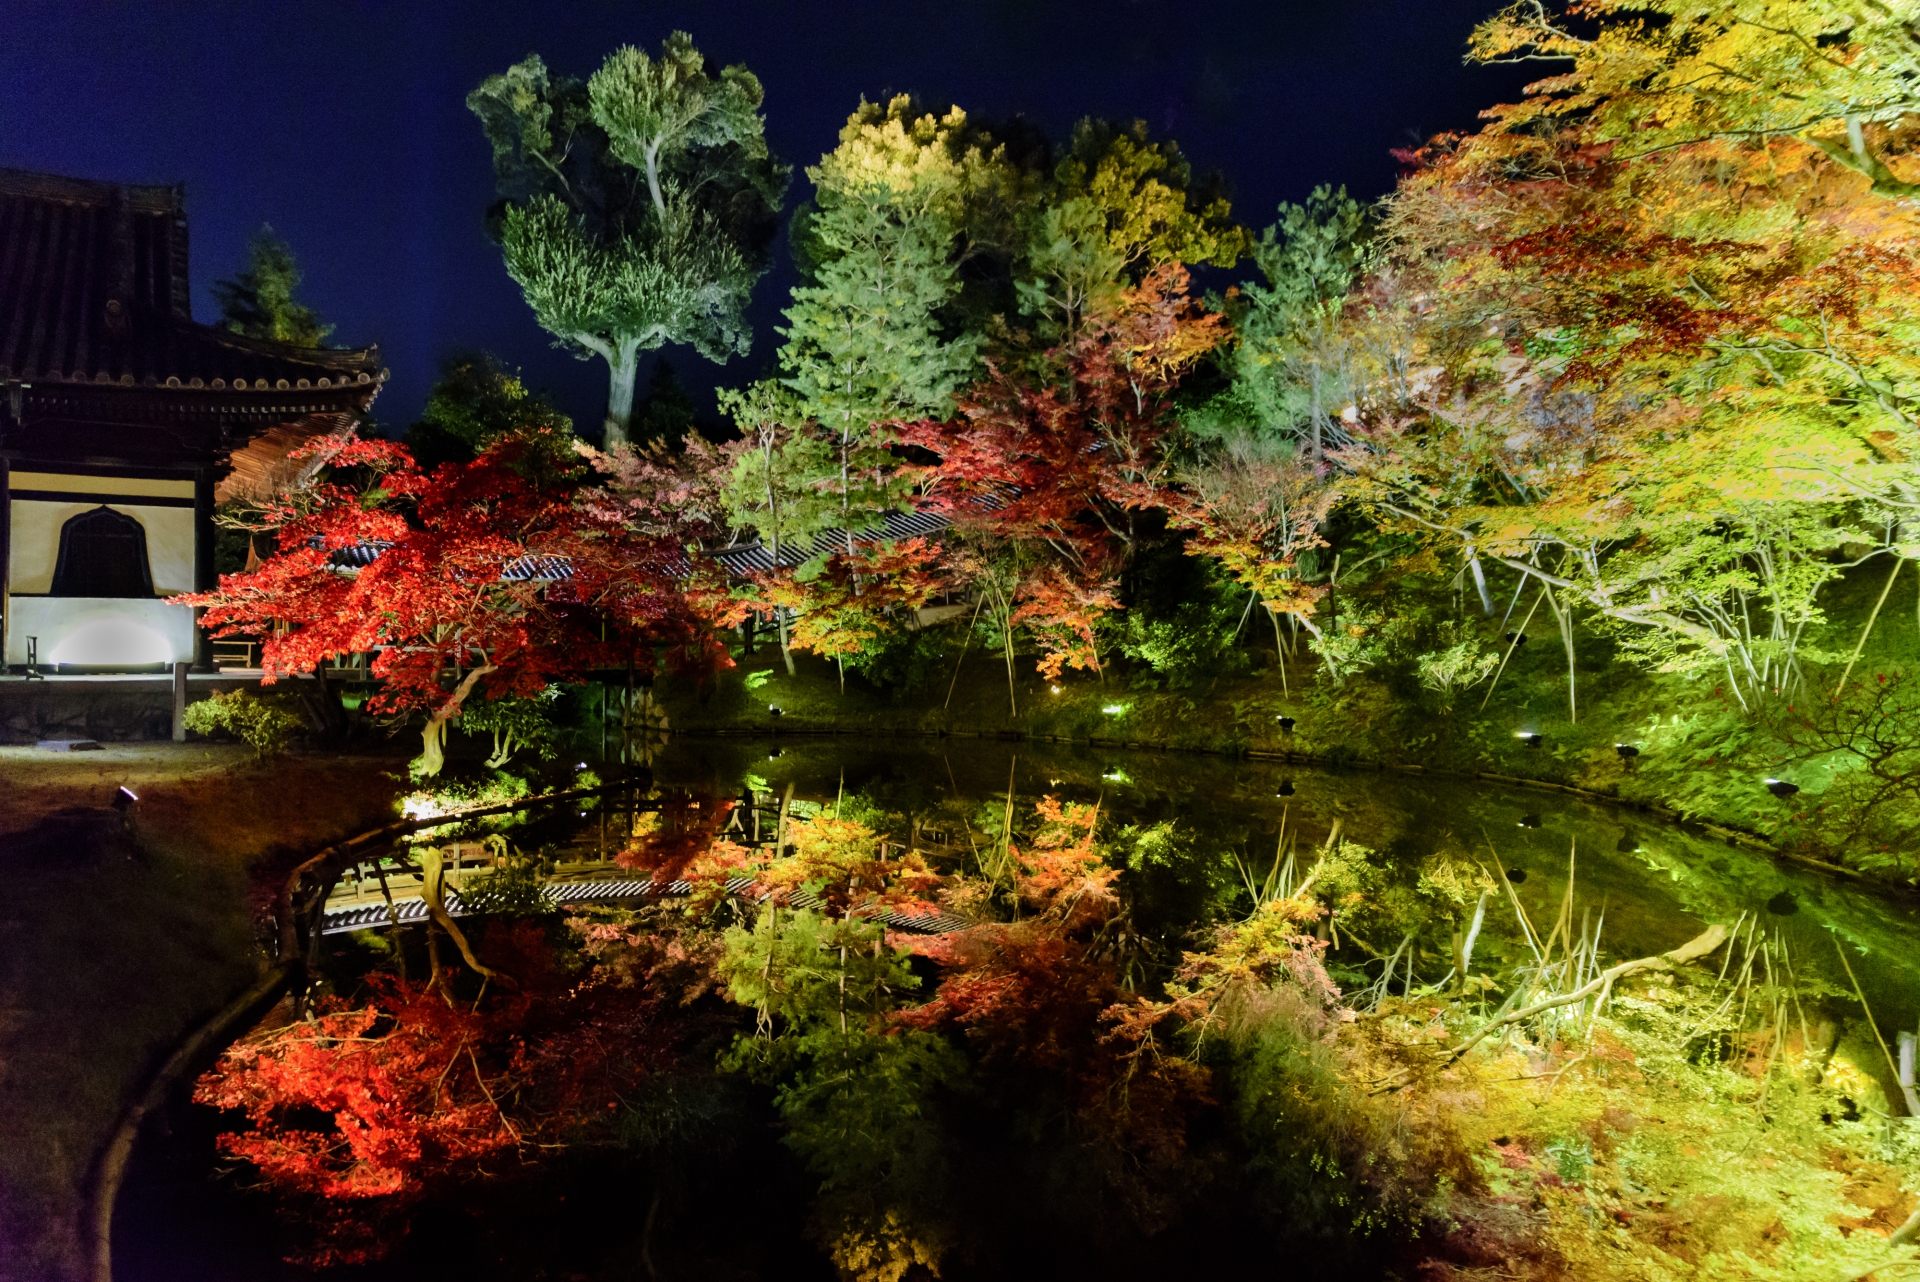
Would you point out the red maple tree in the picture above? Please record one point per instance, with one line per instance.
(1057, 456)
(507, 573)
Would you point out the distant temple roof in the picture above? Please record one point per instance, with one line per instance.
(96, 330)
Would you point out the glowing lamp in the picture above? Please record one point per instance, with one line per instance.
(1285, 789)
(1626, 750)
(124, 798)
(1516, 638)
(1285, 723)
(1528, 737)
(420, 805)
(1781, 788)
(112, 643)
(773, 709)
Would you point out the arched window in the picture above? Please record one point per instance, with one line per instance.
(102, 553)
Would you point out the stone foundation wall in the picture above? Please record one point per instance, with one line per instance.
(109, 710)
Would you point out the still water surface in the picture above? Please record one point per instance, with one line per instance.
(1657, 884)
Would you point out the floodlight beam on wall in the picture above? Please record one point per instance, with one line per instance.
(112, 642)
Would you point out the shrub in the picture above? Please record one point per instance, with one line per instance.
(1458, 667)
(516, 724)
(263, 724)
(1193, 644)
(512, 887)
(901, 660)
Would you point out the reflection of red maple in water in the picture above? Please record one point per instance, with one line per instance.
(666, 841)
(1043, 993)
(384, 1105)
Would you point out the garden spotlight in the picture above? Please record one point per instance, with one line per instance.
(1781, 788)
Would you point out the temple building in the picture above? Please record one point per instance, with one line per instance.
(123, 423)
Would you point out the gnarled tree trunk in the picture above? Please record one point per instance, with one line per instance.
(623, 365)
(433, 736)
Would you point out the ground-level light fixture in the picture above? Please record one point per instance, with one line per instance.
(1285, 723)
(1783, 904)
(1115, 709)
(1516, 875)
(773, 709)
(776, 752)
(124, 797)
(1285, 789)
(1055, 689)
(1627, 752)
(1530, 738)
(1516, 638)
(1781, 788)
(1530, 820)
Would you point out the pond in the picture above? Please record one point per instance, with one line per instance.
(1647, 885)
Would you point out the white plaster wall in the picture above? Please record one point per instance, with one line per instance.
(36, 539)
(153, 631)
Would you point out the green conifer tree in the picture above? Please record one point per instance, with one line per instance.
(865, 343)
(259, 301)
(476, 402)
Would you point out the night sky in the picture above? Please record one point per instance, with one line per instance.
(344, 125)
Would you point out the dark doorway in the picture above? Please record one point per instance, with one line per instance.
(102, 553)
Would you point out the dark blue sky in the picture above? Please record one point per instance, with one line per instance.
(344, 124)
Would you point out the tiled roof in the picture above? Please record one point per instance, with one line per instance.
(93, 289)
(748, 558)
(522, 569)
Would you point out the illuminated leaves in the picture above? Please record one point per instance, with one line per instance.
(382, 1106)
(498, 567)
(1046, 467)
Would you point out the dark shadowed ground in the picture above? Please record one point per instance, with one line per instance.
(119, 931)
